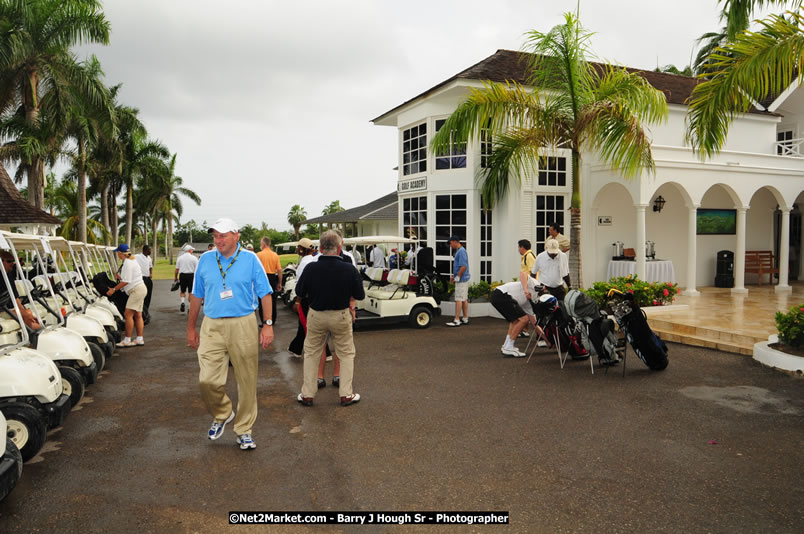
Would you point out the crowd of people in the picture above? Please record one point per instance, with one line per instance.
(232, 283)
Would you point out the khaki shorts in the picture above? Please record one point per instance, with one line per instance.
(137, 298)
(461, 291)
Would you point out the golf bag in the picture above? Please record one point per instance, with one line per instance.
(597, 330)
(103, 283)
(647, 345)
(558, 325)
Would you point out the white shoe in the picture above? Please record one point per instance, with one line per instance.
(465, 320)
(513, 352)
(454, 323)
(541, 343)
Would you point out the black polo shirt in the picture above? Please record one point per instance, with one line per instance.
(329, 283)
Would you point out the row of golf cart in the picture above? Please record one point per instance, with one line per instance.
(45, 371)
(392, 295)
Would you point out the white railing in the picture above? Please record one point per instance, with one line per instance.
(790, 147)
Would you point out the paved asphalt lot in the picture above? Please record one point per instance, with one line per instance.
(445, 423)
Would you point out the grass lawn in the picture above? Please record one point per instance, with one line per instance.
(164, 271)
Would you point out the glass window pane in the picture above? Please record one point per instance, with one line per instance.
(540, 220)
(459, 163)
(422, 203)
(551, 202)
(406, 135)
(460, 231)
(423, 165)
(562, 164)
(560, 202)
(539, 202)
(406, 219)
(562, 180)
(422, 153)
(406, 170)
(423, 218)
(442, 163)
(442, 217)
(489, 253)
(439, 123)
(406, 204)
(459, 217)
(459, 202)
(423, 128)
(442, 202)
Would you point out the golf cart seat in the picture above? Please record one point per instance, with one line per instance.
(397, 285)
(8, 323)
(376, 276)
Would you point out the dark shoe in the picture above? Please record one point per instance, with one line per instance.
(322, 383)
(336, 381)
(304, 401)
(181, 308)
(354, 398)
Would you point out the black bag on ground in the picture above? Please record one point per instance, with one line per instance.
(603, 340)
(647, 345)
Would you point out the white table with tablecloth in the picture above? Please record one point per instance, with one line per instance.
(655, 270)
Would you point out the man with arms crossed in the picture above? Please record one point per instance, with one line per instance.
(330, 284)
(229, 280)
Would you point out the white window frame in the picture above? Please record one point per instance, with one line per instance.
(420, 149)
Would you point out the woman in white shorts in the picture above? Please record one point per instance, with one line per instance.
(131, 282)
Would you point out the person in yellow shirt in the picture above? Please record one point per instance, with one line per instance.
(273, 269)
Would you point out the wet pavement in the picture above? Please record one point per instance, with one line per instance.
(714, 443)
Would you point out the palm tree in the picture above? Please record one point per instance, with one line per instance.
(35, 60)
(572, 104)
(67, 202)
(84, 126)
(163, 192)
(737, 13)
(296, 217)
(332, 207)
(740, 73)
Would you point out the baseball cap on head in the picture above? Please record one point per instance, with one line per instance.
(305, 243)
(551, 246)
(224, 225)
(454, 238)
(122, 247)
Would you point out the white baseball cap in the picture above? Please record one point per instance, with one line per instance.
(551, 246)
(224, 225)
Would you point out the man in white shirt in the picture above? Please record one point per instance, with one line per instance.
(147, 267)
(513, 304)
(552, 267)
(186, 265)
(377, 257)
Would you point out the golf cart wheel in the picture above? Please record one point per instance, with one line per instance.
(421, 317)
(26, 428)
(72, 384)
(14, 452)
(97, 355)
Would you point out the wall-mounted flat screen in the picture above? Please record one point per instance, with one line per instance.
(716, 222)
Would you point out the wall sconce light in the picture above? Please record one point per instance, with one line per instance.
(658, 203)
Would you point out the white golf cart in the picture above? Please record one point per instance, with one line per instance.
(31, 391)
(93, 322)
(10, 461)
(65, 347)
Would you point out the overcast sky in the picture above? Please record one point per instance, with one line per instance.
(268, 103)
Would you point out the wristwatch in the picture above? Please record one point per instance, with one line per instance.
(269, 322)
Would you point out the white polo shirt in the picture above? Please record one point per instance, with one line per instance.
(145, 264)
(130, 274)
(187, 263)
(551, 270)
(514, 289)
(304, 262)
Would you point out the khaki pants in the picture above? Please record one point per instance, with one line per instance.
(232, 338)
(319, 324)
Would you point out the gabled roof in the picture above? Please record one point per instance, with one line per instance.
(384, 208)
(510, 65)
(15, 210)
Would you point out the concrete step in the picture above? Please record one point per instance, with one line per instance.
(710, 342)
(718, 336)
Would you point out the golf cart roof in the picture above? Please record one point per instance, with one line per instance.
(377, 239)
(23, 241)
(294, 243)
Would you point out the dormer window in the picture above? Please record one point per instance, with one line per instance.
(414, 149)
(455, 157)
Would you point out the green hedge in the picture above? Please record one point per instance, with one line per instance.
(791, 326)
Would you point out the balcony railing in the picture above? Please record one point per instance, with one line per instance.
(790, 147)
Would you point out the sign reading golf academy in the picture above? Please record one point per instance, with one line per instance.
(416, 184)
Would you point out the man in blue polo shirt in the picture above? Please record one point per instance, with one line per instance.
(229, 280)
(460, 275)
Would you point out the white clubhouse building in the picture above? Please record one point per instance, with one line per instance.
(759, 175)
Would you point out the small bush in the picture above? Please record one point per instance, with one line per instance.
(480, 290)
(645, 293)
(791, 326)
(445, 288)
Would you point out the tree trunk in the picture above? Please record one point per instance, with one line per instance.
(129, 212)
(105, 212)
(155, 248)
(170, 239)
(576, 271)
(115, 224)
(82, 191)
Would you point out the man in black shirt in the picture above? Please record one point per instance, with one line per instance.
(329, 284)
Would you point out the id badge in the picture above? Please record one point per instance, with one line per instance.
(226, 294)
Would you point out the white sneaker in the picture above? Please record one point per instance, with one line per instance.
(465, 320)
(454, 323)
(140, 342)
(513, 352)
(541, 343)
